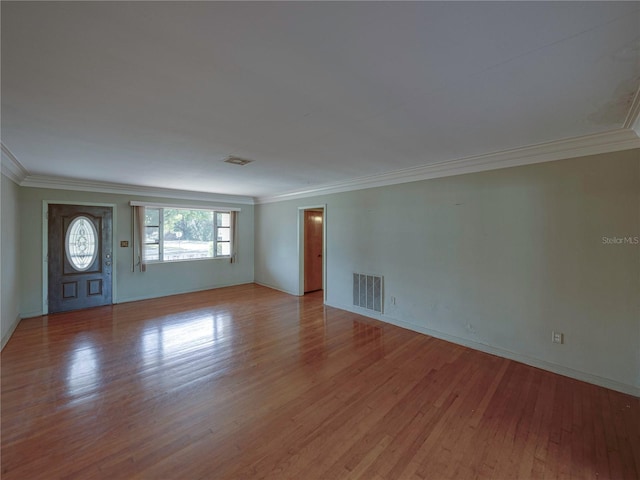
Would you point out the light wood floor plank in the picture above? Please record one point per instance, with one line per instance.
(248, 382)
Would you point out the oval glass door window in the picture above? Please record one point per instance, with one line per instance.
(81, 243)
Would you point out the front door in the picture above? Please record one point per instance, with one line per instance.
(80, 257)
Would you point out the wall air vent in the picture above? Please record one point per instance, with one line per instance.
(367, 291)
(237, 161)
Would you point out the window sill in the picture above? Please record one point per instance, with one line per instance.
(183, 260)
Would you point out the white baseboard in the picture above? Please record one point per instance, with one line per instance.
(7, 336)
(500, 352)
(273, 287)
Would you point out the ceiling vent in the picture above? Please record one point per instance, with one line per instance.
(237, 161)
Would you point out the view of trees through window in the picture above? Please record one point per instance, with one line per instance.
(183, 234)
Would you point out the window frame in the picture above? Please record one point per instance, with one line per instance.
(160, 226)
(160, 242)
(215, 235)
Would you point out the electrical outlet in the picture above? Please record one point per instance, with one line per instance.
(557, 337)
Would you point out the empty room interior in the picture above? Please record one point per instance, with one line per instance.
(320, 240)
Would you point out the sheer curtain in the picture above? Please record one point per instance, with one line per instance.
(234, 237)
(140, 230)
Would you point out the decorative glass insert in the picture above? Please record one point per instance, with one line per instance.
(81, 243)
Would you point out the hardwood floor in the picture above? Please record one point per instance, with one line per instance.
(247, 382)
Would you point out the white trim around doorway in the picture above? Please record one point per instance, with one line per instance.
(301, 210)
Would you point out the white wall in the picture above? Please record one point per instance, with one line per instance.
(159, 279)
(10, 254)
(494, 260)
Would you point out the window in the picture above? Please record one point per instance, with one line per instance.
(223, 234)
(174, 234)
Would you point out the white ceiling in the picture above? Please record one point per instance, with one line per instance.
(159, 94)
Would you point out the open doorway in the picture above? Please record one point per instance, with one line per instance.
(312, 249)
(313, 220)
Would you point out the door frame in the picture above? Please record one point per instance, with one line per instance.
(301, 211)
(45, 247)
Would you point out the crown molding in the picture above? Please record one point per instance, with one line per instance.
(612, 141)
(13, 170)
(615, 140)
(633, 117)
(11, 167)
(60, 183)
